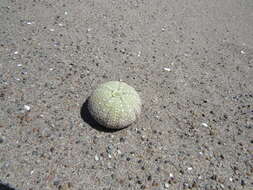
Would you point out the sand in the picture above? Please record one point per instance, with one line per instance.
(191, 62)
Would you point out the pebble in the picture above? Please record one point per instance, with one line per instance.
(35, 153)
(167, 69)
(109, 148)
(204, 124)
(166, 185)
(1, 140)
(96, 158)
(27, 108)
(122, 139)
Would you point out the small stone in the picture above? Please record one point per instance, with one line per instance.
(139, 182)
(27, 108)
(110, 147)
(166, 185)
(96, 158)
(204, 124)
(167, 69)
(1, 140)
(122, 139)
(35, 153)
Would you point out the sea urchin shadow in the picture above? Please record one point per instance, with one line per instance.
(5, 187)
(87, 118)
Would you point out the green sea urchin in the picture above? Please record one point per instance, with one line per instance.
(115, 104)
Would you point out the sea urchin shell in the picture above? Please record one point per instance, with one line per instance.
(115, 105)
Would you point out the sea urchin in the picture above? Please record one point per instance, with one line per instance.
(114, 105)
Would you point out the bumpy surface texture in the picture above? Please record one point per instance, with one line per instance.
(115, 104)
